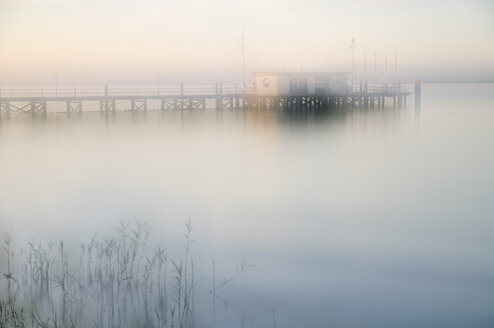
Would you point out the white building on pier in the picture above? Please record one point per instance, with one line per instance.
(300, 83)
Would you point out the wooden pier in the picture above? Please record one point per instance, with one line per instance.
(36, 101)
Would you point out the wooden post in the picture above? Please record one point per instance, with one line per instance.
(417, 95)
(182, 95)
(162, 104)
(145, 105)
(44, 108)
(113, 106)
(244, 94)
(236, 98)
(80, 106)
(216, 94)
(68, 107)
(106, 90)
(132, 104)
(360, 96)
(366, 98)
(400, 96)
(221, 94)
(394, 94)
(101, 106)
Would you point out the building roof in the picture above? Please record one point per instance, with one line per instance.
(301, 73)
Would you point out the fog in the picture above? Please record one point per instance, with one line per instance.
(129, 42)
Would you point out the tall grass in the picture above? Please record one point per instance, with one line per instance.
(110, 282)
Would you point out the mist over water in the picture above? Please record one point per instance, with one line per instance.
(351, 218)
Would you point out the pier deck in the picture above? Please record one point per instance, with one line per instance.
(35, 101)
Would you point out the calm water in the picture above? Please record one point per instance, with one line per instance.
(353, 219)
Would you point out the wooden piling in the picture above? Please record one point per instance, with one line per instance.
(181, 96)
(418, 95)
(236, 98)
(216, 92)
(400, 96)
(366, 96)
(360, 96)
(394, 94)
(221, 94)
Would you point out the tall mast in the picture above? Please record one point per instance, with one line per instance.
(352, 47)
(243, 53)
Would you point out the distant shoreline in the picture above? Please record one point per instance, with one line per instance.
(458, 82)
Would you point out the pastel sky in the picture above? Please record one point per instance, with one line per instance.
(130, 41)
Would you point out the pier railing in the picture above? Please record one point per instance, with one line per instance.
(122, 91)
(381, 88)
(162, 91)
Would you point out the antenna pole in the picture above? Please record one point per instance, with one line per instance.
(353, 60)
(243, 53)
(385, 65)
(396, 63)
(375, 67)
